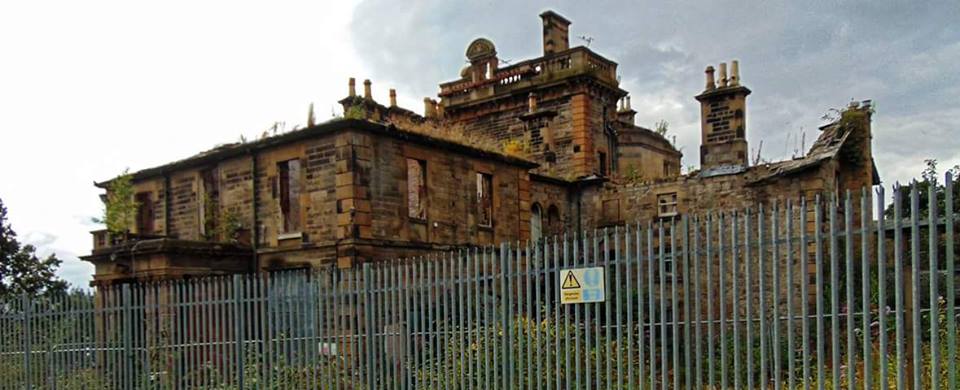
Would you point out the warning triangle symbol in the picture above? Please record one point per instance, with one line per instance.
(570, 281)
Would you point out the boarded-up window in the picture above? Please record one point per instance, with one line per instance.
(536, 222)
(611, 211)
(553, 220)
(484, 199)
(289, 189)
(416, 188)
(144, 213)
(210, 203)
(667, 204)
(602, 160)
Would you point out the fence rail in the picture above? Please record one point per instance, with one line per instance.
(815, 293)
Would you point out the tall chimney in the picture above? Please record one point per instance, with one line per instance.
(366, 90)
(556, 32)
(393, 97)
(711, 82)
(734, 73)
(353, 87)
(723, 74)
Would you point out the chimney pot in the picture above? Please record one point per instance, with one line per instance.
(532, 102)
(711, 83)
(353, 87)
(393, 97)
(628, 104)
(734, 73)
(366, 90)
(723, 74)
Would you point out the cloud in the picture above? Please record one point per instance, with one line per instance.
(39, 239)
(800, 60)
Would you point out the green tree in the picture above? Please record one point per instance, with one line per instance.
(21, 271)
(929, 177)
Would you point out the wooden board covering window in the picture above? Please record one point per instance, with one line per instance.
(289, 178)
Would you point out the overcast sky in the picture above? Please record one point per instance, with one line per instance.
(90, 88)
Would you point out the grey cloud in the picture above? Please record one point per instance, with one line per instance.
(799, 58)
(39, 239)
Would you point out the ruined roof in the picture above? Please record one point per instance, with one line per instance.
(227, 151)
(826, 147)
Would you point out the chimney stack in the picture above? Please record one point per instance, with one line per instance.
(366, 90)
(734, 73)
(429, 108)
(556, 33)
(723, 74)
(393, 97)
(711, 82)
(626, 114)
(353, 87)
(723, 113)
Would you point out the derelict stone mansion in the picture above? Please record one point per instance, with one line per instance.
(507, 153)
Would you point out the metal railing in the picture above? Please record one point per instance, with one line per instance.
(816, 293)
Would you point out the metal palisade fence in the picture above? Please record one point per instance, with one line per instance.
(817, 293)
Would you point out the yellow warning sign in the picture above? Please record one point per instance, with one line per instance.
(570, 281)
(582, 285)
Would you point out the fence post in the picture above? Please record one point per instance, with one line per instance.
(368, 321)
(127, 341)
(238, 327)
(504, 318)
(27, 346)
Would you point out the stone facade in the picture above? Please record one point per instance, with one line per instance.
(539, 147)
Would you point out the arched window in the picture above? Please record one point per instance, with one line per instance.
(536, 222)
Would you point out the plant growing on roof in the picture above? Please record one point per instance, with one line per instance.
(120, 206)
(661, 127)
